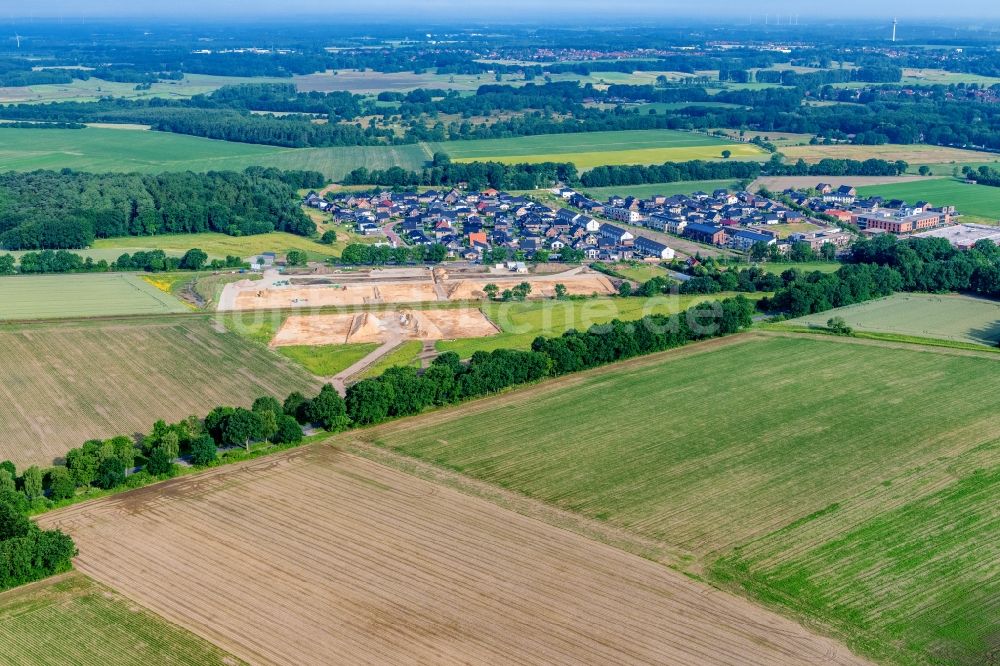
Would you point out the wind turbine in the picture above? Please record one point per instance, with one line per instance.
(18, 39)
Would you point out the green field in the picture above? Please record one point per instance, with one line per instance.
(666, 189)
(118, 150)
(772, 464)
(327, 360)
(807, 267)
(217, 245)
(82, 295)
(74, 620)
(591, 149)
(942, 316)
(403, 355)
(976, 203)
(67, 382)
(640, 271)
(521, 323)
(101, 149)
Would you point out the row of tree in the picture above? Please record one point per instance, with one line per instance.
(151, 261)
(884, 265)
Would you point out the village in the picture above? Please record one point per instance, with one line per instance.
(492, 227)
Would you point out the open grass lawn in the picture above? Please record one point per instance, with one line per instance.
(67, 382)
(218, 245)
(327, 360)
(82, 295)
(521, 323)
(403, 355)
(640, 271)
(74, 620)
(942, 316)
(666, 189)
(773, 464)
(591, 149)
(808, 267)
(976, 203)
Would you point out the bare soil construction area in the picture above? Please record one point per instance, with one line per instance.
(317, 557)
(399, 286)
(381, 327)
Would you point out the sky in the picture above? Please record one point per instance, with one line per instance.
(505, 10)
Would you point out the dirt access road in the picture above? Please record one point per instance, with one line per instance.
(316, 556)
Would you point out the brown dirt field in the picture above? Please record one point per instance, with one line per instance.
(317, 556)
(379, 327)
(347, 294)
(389, 291)
(576, 285)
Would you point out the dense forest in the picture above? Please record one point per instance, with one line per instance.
(66, 209)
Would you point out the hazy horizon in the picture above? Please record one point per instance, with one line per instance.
(512, 10)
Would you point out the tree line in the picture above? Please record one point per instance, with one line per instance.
(884, 265)
(150, 261)
(67, 209)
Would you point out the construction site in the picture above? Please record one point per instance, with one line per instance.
(388, 286)
(384, 326)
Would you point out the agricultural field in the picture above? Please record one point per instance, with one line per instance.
(910, 153)
(71, 619)
(942, 316)
(94, 89)
(116, 150)
(65, 383)
(976, 203)
(521, 323)
(652, 189)
(218, 245)
(374, 565)
(82, 295)
(596, 148)
(737, 487)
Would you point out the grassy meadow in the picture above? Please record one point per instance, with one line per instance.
(940, 316)
(82, 295)
(976, 203)
(403, 355)
(327, 360)
(72, 619)
(748, 457)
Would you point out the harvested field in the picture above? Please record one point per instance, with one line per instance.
(67, 383)
(381, 327)
(317, 556)
(70, 619)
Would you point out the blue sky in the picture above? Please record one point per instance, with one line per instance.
(507, 10)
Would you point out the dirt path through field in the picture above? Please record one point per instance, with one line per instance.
(316, 556)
